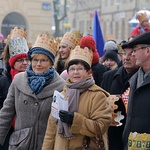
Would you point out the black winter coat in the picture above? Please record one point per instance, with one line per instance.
(98, 70)
(138, 116)
(5, 81)
(116, 82)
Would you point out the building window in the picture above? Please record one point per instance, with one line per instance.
(81, 26)
(117, 30)
(123, 29)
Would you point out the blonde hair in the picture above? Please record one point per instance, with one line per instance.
(65, 61)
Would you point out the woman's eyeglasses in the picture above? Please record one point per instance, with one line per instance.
(76, 69)
(41, 61)
(22, 60)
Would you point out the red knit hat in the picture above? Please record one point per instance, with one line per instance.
(13, 59)
(88, 41)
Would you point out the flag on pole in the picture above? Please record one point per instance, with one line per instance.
(97, 35)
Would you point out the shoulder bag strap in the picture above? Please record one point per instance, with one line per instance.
(99, 138)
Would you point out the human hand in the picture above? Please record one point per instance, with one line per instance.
(66, 116)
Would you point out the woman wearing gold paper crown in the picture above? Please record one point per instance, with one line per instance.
(143, 25)
(30, 96)
(87, 104)
(15, 59)
(68, 42)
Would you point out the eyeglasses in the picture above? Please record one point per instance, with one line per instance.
(42, 61)
(71, 70)
(22, 60)
(136, 49)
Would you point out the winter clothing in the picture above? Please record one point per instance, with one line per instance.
(38, 81)
(95, 108)
(139, 30)
(88, 41)
(116, 82)
(141, 39)
(110, 45)
(23, 104)
(40, 50)
(97, 68)
(111, 54)
(138, 108)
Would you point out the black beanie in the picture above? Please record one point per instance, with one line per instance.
(111, 54)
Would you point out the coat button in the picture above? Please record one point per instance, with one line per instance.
(25, 102)
(36, 103)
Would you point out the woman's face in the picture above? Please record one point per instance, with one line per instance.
(21, 64)
(40, 63)
(64, 51)
(77, 73)
(110, 63)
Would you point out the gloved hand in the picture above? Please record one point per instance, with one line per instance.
(66, 116)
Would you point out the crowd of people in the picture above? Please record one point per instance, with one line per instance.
(110, 93)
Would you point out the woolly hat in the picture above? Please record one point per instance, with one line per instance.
(111, 54)
(110, 45)
(18, 48)
(44, 44)
(88, 41)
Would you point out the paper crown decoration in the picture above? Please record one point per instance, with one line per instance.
(142, 16)
(16, 32)
(47, 42)
(72, 38)
(17, 46)
(84, 54)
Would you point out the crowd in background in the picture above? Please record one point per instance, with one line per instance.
(111, 90)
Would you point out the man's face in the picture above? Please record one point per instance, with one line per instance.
(128, 60)
(140, 54)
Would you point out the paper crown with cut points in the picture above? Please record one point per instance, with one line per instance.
(84, 54)
(72, 38)
(17, 45)
(47, 42)
(16, 32)
(142, 16)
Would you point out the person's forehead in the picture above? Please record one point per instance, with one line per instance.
(128, 49)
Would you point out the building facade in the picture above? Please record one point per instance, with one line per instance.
(38, 16)
(34, 15)
(114, 15)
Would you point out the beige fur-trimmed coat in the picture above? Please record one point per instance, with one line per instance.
(93, 105)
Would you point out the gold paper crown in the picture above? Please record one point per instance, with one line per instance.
(110, 37)
(72, 38)
(82, 54)
(58, 40)
(16, 32)
(142, 16)
(17, 46)
(120, 49)
(47, 42)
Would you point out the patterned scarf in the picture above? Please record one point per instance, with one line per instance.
(73, 91)
(38, 81)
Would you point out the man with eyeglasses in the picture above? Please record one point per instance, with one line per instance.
(116, 83)
(138, 111)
